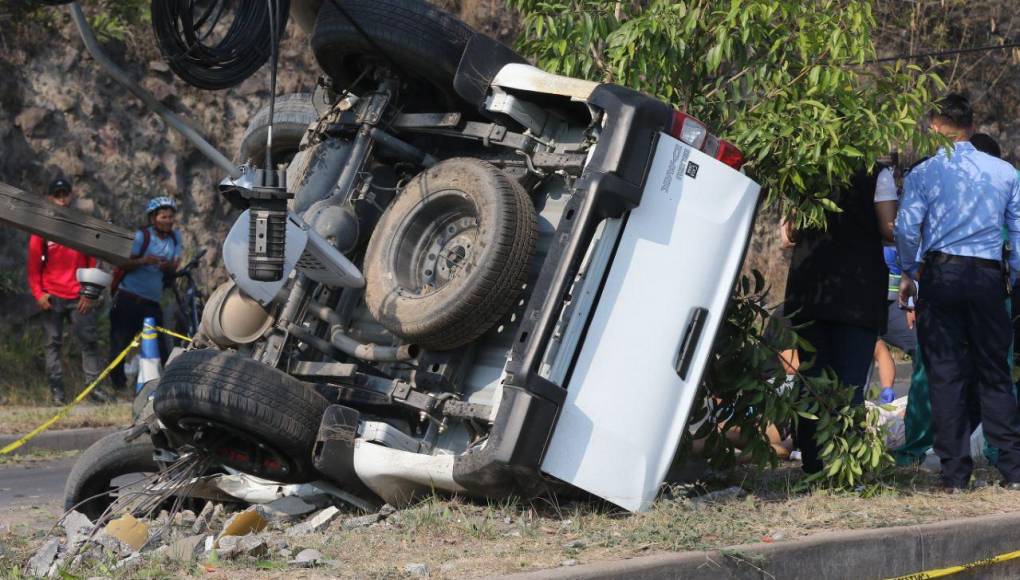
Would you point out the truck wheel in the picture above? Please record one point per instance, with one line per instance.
(292, 114)
(105, 466)
(424, 42)
(251, 417)
(450, 255)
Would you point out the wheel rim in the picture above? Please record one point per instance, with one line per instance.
(236, 448)
(439, 242)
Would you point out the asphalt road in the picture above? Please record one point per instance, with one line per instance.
(31, 493)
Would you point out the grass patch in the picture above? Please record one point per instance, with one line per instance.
(456, 538)
(36, 457)
(22, 419)
(22, 358)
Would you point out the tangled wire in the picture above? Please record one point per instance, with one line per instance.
(217, 44)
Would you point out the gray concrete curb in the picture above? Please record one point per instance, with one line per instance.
(857, 555)
(59, 440)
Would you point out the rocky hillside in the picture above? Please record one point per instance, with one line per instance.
(60, 114)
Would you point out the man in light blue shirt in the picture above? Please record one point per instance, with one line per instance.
(138, 282)
(949, 234)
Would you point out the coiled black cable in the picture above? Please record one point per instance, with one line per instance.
(186, 29)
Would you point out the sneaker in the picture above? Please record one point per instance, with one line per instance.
(795, 455)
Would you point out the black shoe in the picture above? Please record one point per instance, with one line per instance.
(57, 392)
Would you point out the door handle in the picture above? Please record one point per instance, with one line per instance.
(689, 342)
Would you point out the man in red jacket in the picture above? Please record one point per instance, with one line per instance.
(52, 276)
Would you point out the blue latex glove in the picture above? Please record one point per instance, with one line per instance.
(887, 395)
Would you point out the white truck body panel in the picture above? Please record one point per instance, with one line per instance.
(679, 253)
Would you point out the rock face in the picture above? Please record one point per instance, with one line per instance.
(64, 115)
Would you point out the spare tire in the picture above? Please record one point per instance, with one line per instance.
(415, 39)
(450, 255)
(251, 417)
(292, 114)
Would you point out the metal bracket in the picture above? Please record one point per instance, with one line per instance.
(465, 410)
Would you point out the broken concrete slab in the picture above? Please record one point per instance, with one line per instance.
(187, 549)
(112, 545)
(252, 546)
(201, 524)
(77, 527)
(227, 547)
(39, 564)
(186, 519)
(315, 523)
(307, 558)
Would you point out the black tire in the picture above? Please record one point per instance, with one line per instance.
(253, 418)
(423, 41)
(104, 461)
(292, 114)
(451, 254)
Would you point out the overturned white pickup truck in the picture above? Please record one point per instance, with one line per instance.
(491, 280)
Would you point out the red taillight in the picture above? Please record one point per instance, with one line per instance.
(693, 132)
(730, 155)
(688, 129)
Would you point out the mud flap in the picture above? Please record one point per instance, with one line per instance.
(333, 454)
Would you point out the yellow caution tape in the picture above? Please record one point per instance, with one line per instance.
(173, 334)
(81, 396)
(943, 572)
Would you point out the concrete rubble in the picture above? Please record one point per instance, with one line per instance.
(308, 558)
(315, 523)
(39, 564)
(217, 532)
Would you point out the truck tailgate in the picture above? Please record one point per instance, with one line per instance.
(641, 361)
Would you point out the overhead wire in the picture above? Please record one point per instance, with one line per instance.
(938, 53)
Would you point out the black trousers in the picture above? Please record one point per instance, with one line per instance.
(845, 349)
(126, 318)
(965, 334)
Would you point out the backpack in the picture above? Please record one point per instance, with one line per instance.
(119, 273)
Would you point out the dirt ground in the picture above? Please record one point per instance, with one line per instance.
(456, 538)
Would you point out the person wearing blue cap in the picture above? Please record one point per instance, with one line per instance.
(138, 283)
